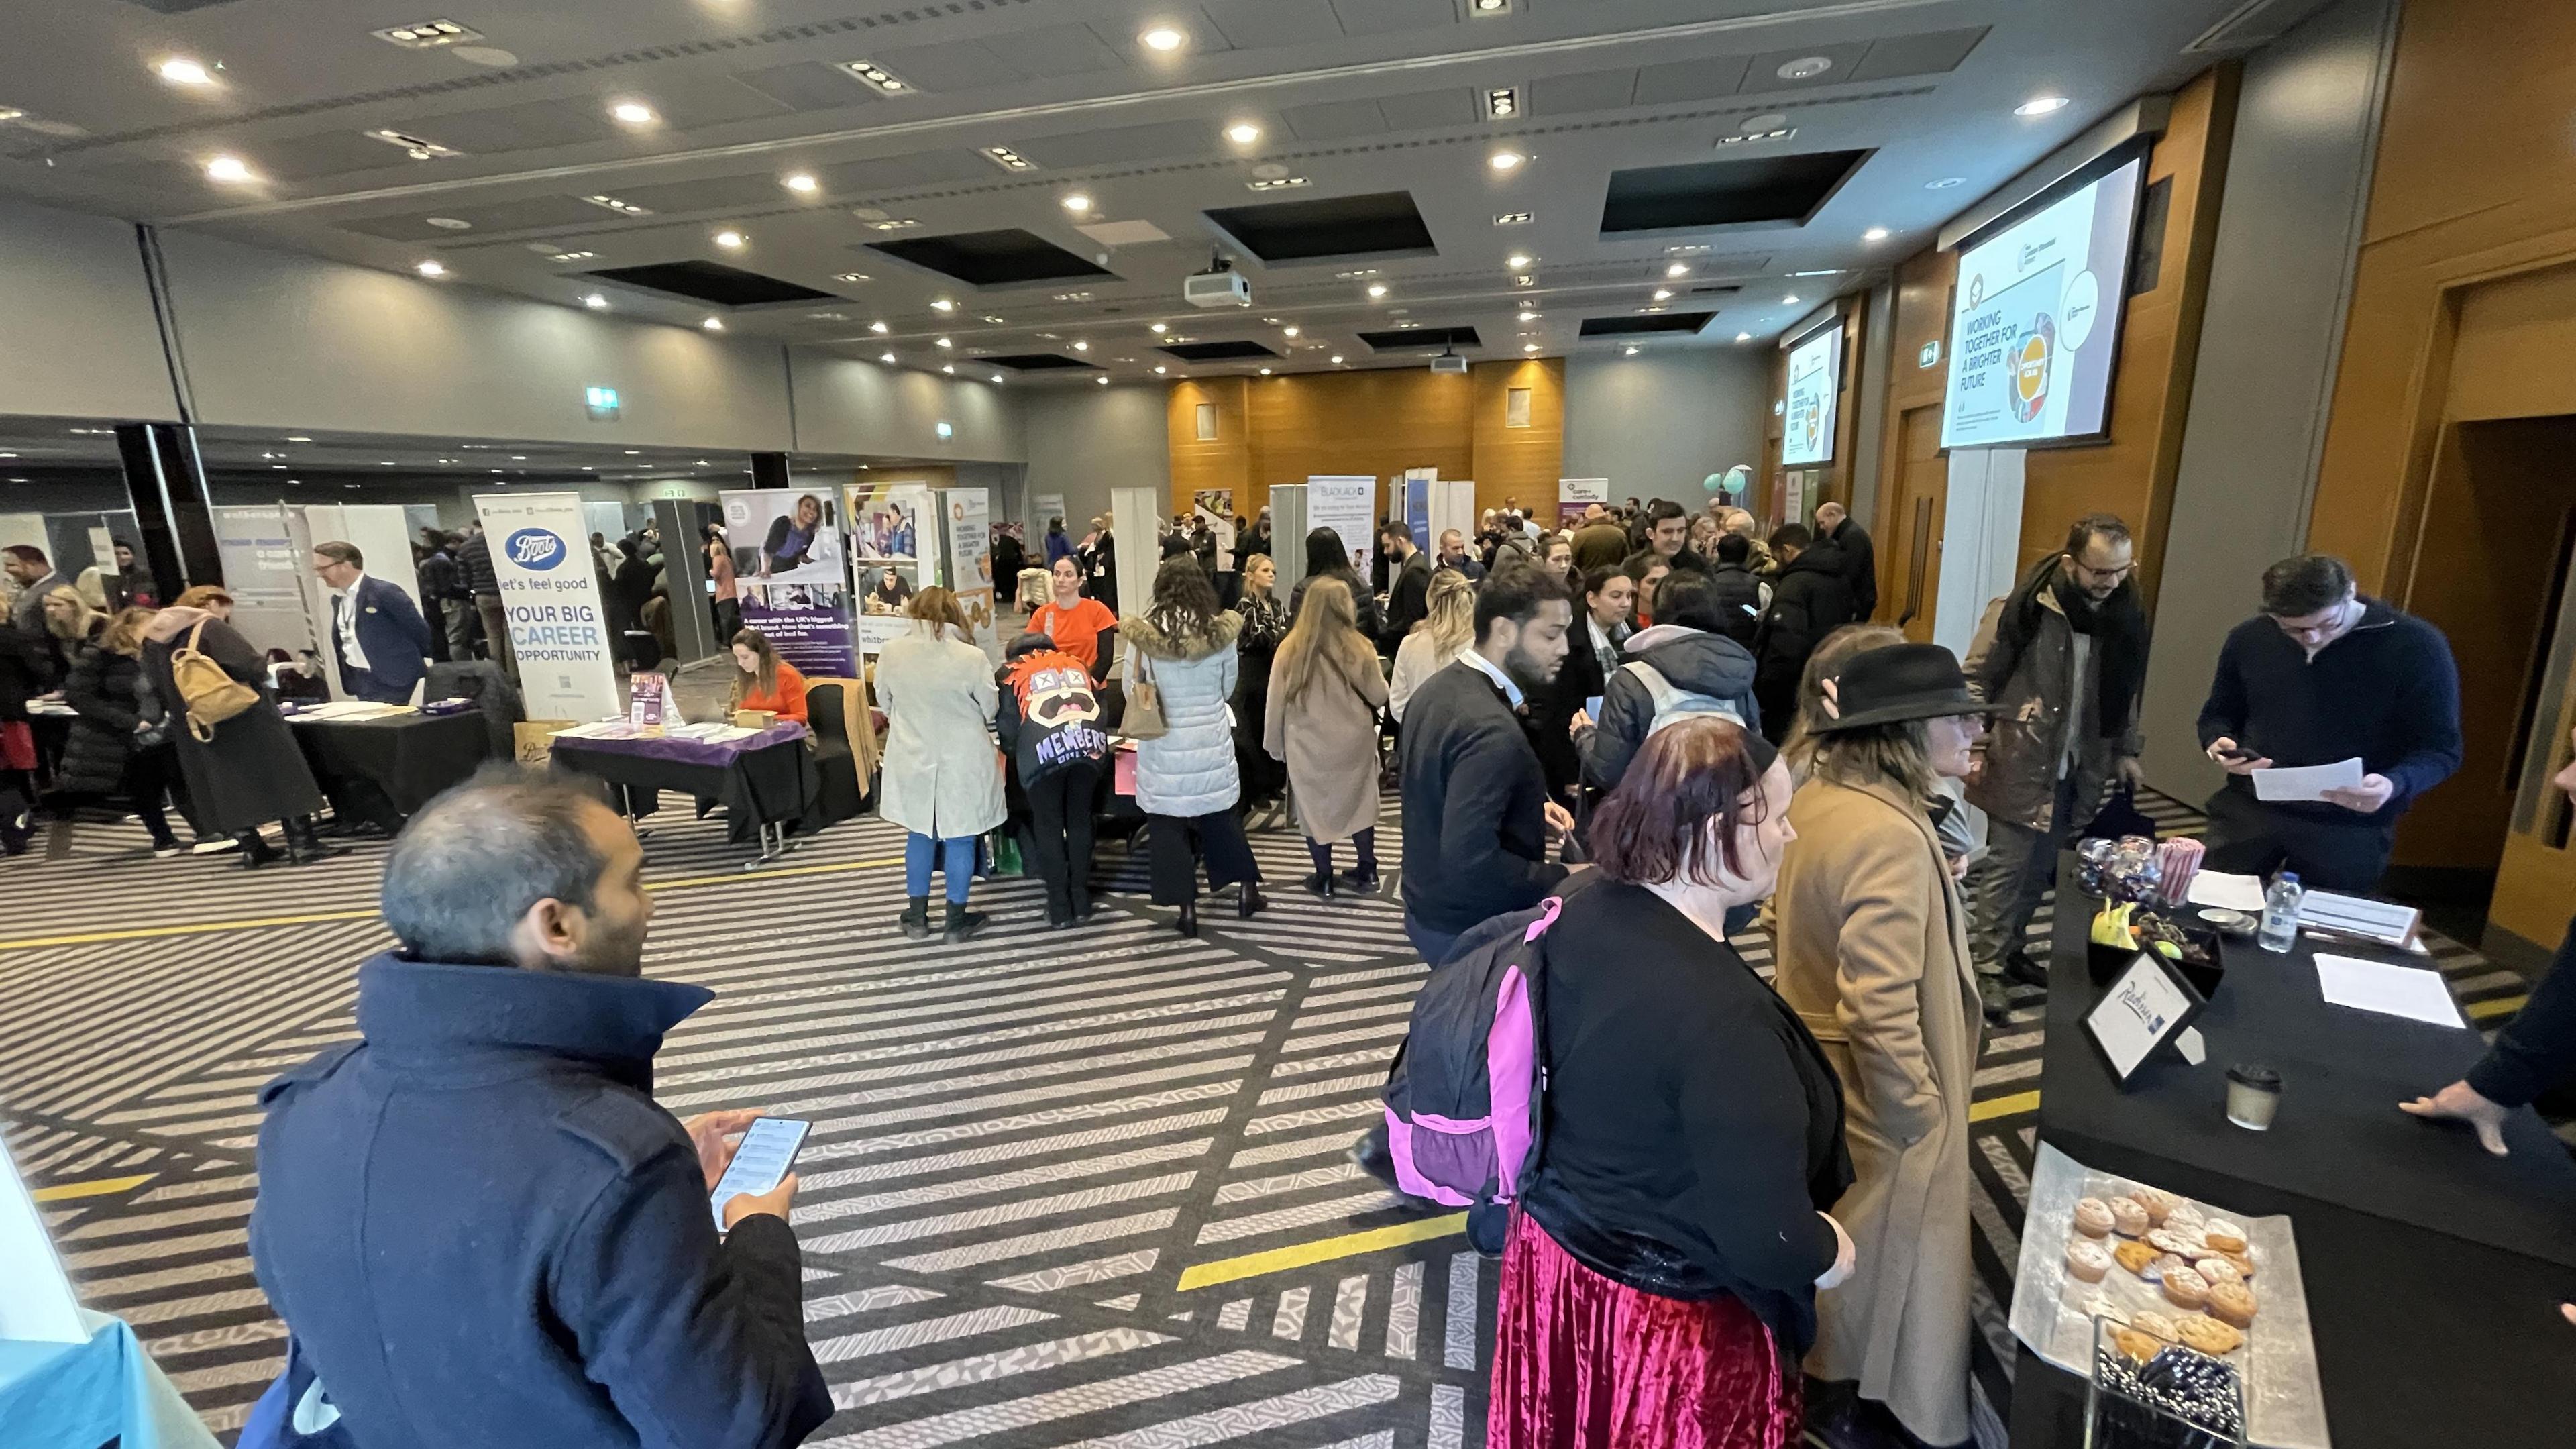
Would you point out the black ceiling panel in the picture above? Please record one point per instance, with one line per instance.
(1421, 339)
(1217, 351)
(1384, 223)
(991, 258)
(712, 282)
(1749, 191)
(1038, 362)
(1648, 325)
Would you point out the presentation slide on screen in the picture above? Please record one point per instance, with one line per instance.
(2037, 314)
(1815, 375)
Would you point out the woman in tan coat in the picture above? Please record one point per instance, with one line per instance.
(1325, 692)
(1873, 955)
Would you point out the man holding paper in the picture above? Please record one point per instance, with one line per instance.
(2325, 676)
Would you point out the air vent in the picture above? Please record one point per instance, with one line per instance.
(1422, 339)
(420, 34)
(1649, 325)
(992, 258)
(712, 282)
(1740, 192)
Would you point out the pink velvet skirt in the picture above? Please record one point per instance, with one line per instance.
(1581, 1362)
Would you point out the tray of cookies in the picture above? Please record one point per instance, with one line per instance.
(2110, 1264)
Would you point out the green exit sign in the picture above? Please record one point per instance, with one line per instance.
(600, 403)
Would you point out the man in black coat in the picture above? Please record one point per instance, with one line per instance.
(476, 1221)
(1860, 557)
(1809, 600)
(1477, 817)
(1408, 589)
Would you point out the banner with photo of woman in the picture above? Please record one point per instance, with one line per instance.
(789, 567)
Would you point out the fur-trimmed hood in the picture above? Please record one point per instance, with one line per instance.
(1139, 631)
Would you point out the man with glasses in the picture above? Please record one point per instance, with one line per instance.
(2326, 674)
(2060, 660)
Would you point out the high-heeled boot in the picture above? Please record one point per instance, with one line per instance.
(304, 844)
(255, 850)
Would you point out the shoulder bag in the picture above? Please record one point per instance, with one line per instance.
(207, 693)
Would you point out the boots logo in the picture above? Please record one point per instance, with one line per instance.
(535, 548)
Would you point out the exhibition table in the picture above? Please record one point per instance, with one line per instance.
(2434, 1271)
(83, 1395)
(767, 781)
(381, 770)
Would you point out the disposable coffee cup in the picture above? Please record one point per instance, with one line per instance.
(2253, 1096)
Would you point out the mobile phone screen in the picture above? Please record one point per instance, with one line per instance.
(768, 1149)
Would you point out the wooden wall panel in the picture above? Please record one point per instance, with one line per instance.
(1518, 463)
(1224, 463)
(1273, 430)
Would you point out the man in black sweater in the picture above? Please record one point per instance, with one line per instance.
(2326, 674)
(1477, 817)
(1860, 558)
(1810, 599)
(1408, 586)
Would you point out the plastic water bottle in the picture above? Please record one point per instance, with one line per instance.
(2281, 913)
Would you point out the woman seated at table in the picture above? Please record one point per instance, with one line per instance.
(763, 681)
(1660, 1283)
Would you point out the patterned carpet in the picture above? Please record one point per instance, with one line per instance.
(1064, 1188)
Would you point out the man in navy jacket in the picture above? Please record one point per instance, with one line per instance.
(377, 633)
(477, 1223)
(2324, 675)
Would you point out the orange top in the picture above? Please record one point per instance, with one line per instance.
(787, 702)
(1076, 631)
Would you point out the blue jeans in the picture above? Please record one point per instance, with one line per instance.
(958, 864)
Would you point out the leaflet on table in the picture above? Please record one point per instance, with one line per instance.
(2226, 892)
(2417, 993)
(648, 698)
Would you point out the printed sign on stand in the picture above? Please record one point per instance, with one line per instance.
(1347, 506)
(1573, 495)
(550, 592)
(968, 515)
(791, 574)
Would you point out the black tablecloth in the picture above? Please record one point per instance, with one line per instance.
(382, 770)
(2433, 1271)
(774, 785)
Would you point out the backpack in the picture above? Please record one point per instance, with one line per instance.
(207, 694)
(1674, 704)
(1463, 1118)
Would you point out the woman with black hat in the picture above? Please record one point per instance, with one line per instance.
(1873, 954)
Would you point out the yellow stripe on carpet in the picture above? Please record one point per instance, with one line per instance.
(2501, 1006)
(1322, 1250)
(97, 1187)
(2012, 1106)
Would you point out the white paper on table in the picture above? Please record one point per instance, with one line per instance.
(2227, 892)
(2306, 782)
(2413, 992)
(38, 1306)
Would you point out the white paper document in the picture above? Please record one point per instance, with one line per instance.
(2413, 992)
(2307, 782)
(2227, 892)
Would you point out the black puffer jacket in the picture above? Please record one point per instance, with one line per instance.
(101, 688)
(1691, 660)
(1810, 599)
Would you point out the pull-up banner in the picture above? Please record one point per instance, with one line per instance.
(550, 591)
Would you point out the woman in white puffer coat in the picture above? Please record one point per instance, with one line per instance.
(1186, 780)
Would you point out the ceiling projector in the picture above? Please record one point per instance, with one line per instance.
(1219, 286)
(1449, 361)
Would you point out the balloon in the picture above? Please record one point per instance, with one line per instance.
(1712, 482)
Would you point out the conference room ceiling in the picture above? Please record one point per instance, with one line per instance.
(864, 166)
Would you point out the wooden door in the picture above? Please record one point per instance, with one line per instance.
(1911, 559)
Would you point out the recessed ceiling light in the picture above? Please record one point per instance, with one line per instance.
(1513, 218)
(1377, 289)
(851, 277)
(894, 224)
(944, 342)
(1082, 347)
(2041, 105)
(1743, 336)
(1073, 296)
(1008, 159)
(595, 302)
(1337, 359)
(1789, 301)
(622, 208)
(1677, 270)
(876, 77)
(950, 368)
(1945, 183)
(1288, 331)
(1502, 102)
(633, 113)
(1163, 38)
(631, 452)
(431, 269)
(996, 321)
(1529, 315)
(1159, 371)
(299, 438)
(1492, 7)
(1519, 261)
(179, 70)
(1663, 294)
(418, 148)
(1631, 350)
(1104, 382)
(1741, 138)
(449, 223)
(1505, 160)
(713, 324)
(885, 357)
(1805, 67)
(801, 182)
(228, 168)
(1243, 133)
(1158, 329)
(427, 34)
(829, 316)
(1276, 183)
(1874, 234)
(1265, 372)
(570, 256)
(730, 238)
(878, 328)
(997, 377)
(942, 304)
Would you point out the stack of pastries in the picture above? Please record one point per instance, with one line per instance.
(2203, 1265)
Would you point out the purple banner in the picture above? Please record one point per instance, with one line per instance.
(813, 637)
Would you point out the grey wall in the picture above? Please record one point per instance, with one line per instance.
(1659, 422)
(844, 406)
(1085, 440)
(77, 337)
(2298, 180)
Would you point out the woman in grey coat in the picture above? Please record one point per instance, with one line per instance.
(943, 779)
(1186, 782)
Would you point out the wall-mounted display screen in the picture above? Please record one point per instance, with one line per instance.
(1815, 377)
(2035, 324)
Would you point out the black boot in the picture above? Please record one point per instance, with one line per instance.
(1188, 923)
(1364, 881)
(1082, 907)
(961, 923)
(304, 845)
(1321, 883)
(1253, 900)
(915, 919)
(255, 850)
(2021, 970)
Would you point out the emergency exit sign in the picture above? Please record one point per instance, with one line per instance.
(600, 403)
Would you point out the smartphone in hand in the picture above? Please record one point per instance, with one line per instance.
(768, 1150)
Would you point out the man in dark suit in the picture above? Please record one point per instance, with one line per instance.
(1860, 557)
(1408, 588)
(377, 633)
